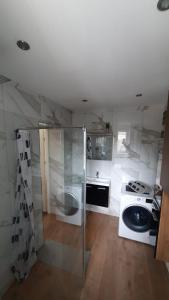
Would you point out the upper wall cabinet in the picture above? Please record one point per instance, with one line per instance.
(99, 146)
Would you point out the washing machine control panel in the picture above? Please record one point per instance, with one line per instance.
(144, 199)
(139, 199)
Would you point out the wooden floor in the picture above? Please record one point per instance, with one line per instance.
(65, 233)
(118, 269)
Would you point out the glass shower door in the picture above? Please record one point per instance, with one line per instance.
(58, 164)
(64, 208)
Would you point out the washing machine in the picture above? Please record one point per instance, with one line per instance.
(70, 209)
(137, 217)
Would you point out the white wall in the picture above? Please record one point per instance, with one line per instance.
(20, 109)
(141, 161)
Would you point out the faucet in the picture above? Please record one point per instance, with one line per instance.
(97, 174)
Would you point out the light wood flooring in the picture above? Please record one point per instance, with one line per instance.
(119, 269)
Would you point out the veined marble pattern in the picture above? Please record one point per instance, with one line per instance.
(68, 142)
(55, 114)
(5, 206)
(17, 102)
(65, 163)
(56, 166)
(19, 109)
(143, 144)
(77, 152)
(33, 102)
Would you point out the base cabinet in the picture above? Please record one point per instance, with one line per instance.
(97, 195)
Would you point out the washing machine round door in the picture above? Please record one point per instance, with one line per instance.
(71, 205)
(137, 218)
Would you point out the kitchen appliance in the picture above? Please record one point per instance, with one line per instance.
(139, 216)
(71, 212)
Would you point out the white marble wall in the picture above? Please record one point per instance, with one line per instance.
(143, 125)
(56, 168)
(66, 163)
(78, 155)
(19, 109)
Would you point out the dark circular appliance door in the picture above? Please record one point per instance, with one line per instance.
(71, 205)
(137, 218)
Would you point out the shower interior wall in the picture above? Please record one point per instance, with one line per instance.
(65, 164)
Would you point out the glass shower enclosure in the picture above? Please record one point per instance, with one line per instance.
(58, 168)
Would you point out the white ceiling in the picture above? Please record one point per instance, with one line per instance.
(102, 50)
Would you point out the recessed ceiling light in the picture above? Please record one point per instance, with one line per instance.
(139, 95)
(84, 100)
(23, 45)
(163, 5)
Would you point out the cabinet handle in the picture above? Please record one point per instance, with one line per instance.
(89, 186)
(101, 188)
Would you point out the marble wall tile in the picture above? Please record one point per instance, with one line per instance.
(65, 163)
(33, 102)
(142, 147)
(55, 115)
(77, 152)
(1, 97)
(56, 166)
(68, 141)
(5, 239)
(3, 162)
(5, 205)
(19, 102)
(19, 109)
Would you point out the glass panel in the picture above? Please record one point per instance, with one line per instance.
(58, 192)
(63, 218)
